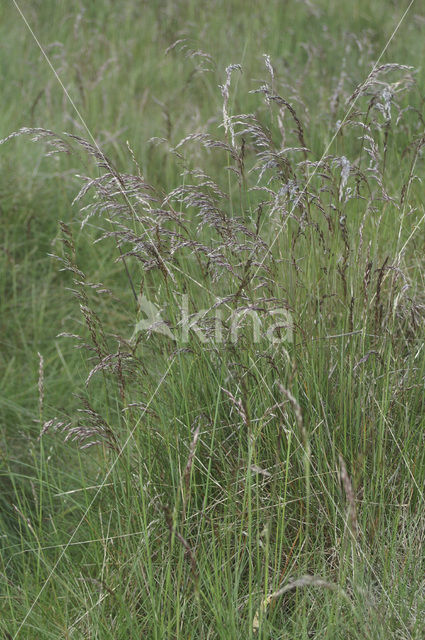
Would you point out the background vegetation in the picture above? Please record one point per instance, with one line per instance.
(230, 491)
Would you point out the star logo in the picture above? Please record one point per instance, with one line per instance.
(152, 322)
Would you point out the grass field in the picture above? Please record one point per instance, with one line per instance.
(212, 320)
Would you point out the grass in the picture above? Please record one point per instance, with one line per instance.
(219, 488)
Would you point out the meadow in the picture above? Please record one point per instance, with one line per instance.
(212, 320)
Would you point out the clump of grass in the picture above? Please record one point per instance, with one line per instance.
(224, 455)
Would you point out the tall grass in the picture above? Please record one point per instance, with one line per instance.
(209, 484)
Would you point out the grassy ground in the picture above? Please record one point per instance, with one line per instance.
(233, 488)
